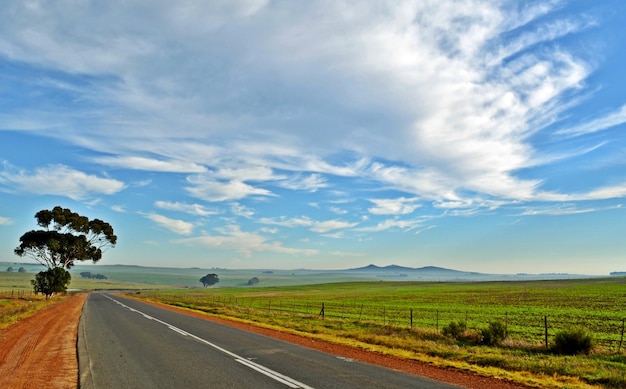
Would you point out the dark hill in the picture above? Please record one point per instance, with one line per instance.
(395, 268)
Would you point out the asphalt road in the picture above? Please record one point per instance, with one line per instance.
(124, 343)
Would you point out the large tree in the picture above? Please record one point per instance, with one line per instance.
(66, 237)
(209, 279)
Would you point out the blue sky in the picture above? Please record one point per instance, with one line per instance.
(477, 135)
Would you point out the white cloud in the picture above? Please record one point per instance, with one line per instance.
(192, 209)
(556, 210)
(611, 120)
(118, 209)
(241, 210)
(179, 227)
(314, 226)
(393, 223)
(149, 164)
(399, 206)
(58, 180)
(5, 221)
(331, 225)
(311, 183)
(209, 189)
(233, 238)
(338, 211)
(291, 222)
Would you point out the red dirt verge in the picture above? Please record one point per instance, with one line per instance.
(40, 351)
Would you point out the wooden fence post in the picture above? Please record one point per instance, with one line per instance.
(361, 312)
(506, 324)
(411, 311)
(384, 316)
(322, 313)
(545, 321)
(621, 339)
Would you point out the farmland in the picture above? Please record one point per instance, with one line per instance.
(407, 318)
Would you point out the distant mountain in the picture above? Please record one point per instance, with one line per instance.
(395, 269)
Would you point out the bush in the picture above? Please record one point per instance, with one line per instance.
(454, 330)
(494, 334)
(51, 281)
(573, 340)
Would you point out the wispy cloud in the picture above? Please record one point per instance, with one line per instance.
(315, 226)
(232, 237)
(399, 206)
(608, 121)
(393, 223)
(5, 221)
(241, 210)
(149, 164)
(310, 183)
(57, 180)
(176, 226)
(207, 188)
(192, 209)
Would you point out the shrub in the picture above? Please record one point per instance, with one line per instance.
(573, 340)
(454, 330)
(494, 334)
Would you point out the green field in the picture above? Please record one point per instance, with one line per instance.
(378, 314)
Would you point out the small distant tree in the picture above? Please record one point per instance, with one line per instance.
(253, 281)
(209, 279)
(9, 269)
(51, 281)
(88, 274)
(21, 270)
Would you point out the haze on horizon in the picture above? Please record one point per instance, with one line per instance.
(475, 135)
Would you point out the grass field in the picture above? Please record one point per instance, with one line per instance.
(406, 318)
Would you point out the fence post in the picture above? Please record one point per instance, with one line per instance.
(384, 316)
(322, 313)
(621, 339)
(411, 317)
(506, 324)
(545, 321)
(269, 307)
(437, 321)
(361, 312)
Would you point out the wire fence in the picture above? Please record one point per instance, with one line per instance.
(524, 326)
(16, 293)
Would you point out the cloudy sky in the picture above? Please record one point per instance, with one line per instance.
(477, 135)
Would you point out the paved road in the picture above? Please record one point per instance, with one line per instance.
(128, 344)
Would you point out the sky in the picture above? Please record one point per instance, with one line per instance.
(476, 135)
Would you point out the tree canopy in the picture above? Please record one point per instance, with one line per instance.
(66, 237)
(209, 279)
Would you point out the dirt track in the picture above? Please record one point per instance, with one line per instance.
(40, 352)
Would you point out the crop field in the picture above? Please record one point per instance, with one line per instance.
(411, 316)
